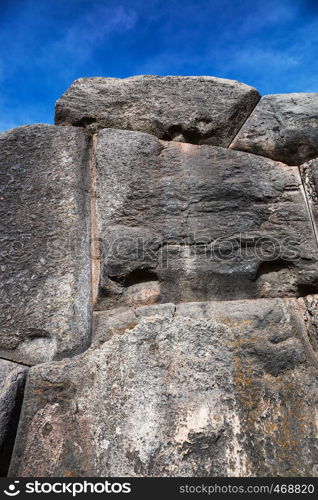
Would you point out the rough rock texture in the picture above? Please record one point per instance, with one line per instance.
(44, 260)
(200, 110)
(12, 380)
(215, 389)
(309, 305)
(201, 264)
(181, 222)
(283, 127)
(309, 173)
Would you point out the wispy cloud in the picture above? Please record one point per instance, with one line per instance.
(268, 44)
(52, 43)
(46, 45)
(87, 32)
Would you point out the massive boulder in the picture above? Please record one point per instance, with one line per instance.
(45, 263)
(12, 380)
(201, 389)
(201, 355)
(283, 127)
(181, 222)
(200, 110)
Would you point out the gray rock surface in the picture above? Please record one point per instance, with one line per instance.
(44, 225)
(181, 222)
(200, 110)
(283, 127)
(12, 380)
(200, 358)
(218, 389)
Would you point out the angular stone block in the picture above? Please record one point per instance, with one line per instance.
(45, 285)
(181, 222)
(201, 110)
(12, 380)
(219, 389)
(283, 127)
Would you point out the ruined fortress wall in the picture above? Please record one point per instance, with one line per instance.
(159, 283)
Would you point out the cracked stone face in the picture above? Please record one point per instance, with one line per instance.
(283, 127)
(181, 222)
(205, 389)
(44, 261)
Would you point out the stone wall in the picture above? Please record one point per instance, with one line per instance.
(159, 283)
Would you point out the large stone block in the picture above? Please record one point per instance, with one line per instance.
(45, 285)
(283, 127)
(181, 222)
(12, 380)
(212, 389)
(201, 110)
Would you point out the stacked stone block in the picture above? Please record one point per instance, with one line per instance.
(159, 275)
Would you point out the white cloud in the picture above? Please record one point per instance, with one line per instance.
(87, 32)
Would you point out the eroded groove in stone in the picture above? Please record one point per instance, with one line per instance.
(45, 285)
(201, 222)
(309, 307)
(309, 196)
(309, 176)
(95, 243)
(199, 110)
(208, 389)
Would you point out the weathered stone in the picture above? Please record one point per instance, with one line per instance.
(309, 306)
(177, 381)
(283, 127)
(108, 323)
(162, 311)
(12, 380)
(180, 396)
(204, 222)
(118, 320)
(200, 110)
(45, 262)
(309, 173)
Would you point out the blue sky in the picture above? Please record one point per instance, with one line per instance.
(46, 44)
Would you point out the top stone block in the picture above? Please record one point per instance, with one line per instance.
(198, 110)
(283, 127)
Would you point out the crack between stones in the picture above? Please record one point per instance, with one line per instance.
(239, 130)
(312, 356)
(17, 362)
(176, 304)
(309, 211)
(95, 243)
